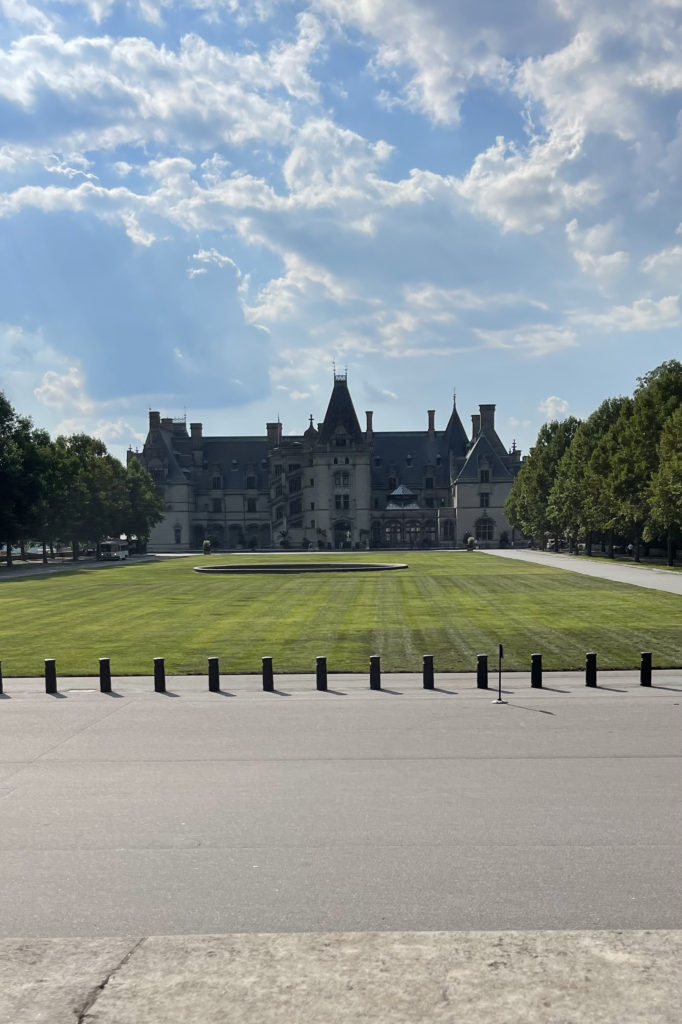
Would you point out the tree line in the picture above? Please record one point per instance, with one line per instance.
(68, 491)
(615, 477)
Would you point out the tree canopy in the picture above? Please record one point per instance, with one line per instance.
(616, 473)
(68, 490)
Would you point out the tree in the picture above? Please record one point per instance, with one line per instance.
(144, 506)
(666, 484)
(579, 496)
(528, 503)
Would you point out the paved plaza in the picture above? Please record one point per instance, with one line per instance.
(344, 856)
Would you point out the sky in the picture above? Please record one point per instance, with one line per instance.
(206, 204)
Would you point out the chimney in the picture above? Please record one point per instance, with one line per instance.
(475, 425)
(487, 417)
(167, 421)
(432, 421)
(154, 420)
(195, 431)
(369, 414)
(274, 432)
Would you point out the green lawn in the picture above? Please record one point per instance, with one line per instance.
(449, 604)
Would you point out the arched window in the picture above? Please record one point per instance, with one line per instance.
(216, 483)
(447, 530)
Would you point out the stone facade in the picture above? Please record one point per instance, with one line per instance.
(334, 486)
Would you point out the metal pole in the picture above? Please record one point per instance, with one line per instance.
(500, 656)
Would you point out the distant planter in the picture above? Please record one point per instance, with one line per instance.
(207, 547)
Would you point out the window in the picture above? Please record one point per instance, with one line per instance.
(178, 534)
(278, 490)
(340, 442)
(408, 460)
(485, 476)
(346, 460)
(312, 524)
(341, 501)
(428, 483)
(484, 499)
(438, 460)
(392, 484)
(428, 502)
(216, 483)
(377, 460)
(342, 479)
(216, 505)
(278, 470)
(250, 504)
(251, 483)
(294, 484)
(235, 463)
(279, 513)
(312, 506)
(484, 528)
(295, 508)
(376, 503)
(293, 466)
(312, 482)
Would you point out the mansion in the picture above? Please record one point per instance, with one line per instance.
(334, 486)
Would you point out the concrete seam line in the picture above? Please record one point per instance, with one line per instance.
(83, 1012)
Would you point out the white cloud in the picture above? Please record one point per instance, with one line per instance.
(553, 407)
(589, 246)
(530, 340)
(65, 391)
(213, 256)
(642, 315)
(666, 260)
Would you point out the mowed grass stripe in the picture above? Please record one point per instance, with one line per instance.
(453, 605)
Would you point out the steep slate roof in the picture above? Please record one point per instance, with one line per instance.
(340, 412)
(482, 448)
(455, 437)
(236, 458)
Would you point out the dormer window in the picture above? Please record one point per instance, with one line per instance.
(485, 476)
(216, 483)
(340, 442)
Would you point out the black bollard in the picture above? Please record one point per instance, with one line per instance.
(645, 669)
(536, 671)
(375, 672)
(321, 673)
(591, 669)
(104, 675)
(159, 676)
(482, 672)
(427, 671)
(268, 678)
(50, 675)
(213, 675)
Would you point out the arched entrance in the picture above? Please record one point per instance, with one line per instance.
(342, 534)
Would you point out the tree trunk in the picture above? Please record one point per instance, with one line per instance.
(671, 549)
(74, 550)
(44, 553)
(609, 552)
(588, 546)
(637, 548)
(9, 553)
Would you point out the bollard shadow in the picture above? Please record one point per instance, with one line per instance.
(5, 696)
(337, 693)
(113, 693)
(384, 689)
(167, 693)
(441, 689)
(555, 689)
(278, 693)
(223, 693)
(60, 696)
(659, 686)
(614, 689)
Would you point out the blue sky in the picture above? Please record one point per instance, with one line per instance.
(203, 204)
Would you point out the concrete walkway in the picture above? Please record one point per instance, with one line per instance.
(346, 978)
(638, 575)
